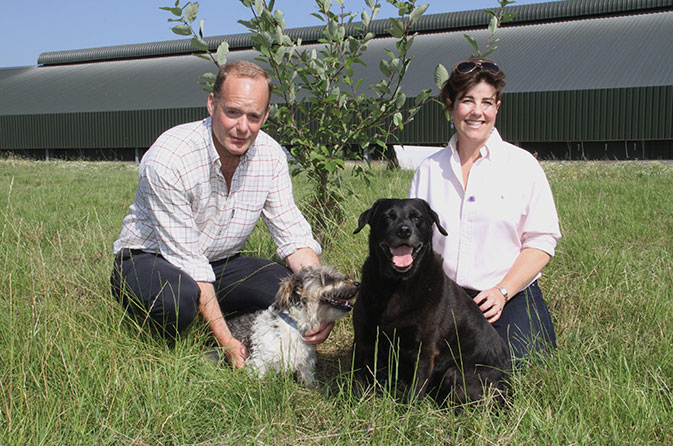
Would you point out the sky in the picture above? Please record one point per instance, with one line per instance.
(36, 26)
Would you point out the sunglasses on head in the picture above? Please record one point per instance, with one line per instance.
(468, 67)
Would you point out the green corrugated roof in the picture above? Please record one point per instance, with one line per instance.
(596, 51)
(537, 12)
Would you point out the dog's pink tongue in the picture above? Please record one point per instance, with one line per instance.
(402, 256)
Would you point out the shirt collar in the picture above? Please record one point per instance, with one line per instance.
(489, 151)
(492, 149)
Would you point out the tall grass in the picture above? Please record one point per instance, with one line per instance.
(75, 370)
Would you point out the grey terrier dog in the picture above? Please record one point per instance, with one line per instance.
(274, 336)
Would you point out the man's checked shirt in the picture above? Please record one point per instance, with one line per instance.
(183, 210)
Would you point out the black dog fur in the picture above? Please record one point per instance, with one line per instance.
(406, 299)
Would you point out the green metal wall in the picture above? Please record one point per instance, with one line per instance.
(643, 113)
(552, 118)
(117, 129)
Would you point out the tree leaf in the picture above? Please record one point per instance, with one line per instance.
(400, 100)
(222, 52)
(441, 76)
(398, 120)
(182, 30)
(473, 42)
(397, 30)
(199, 44)
(384, 67)
(365, 18)
(177, 12)
(208, 77)
(493, 25)
(191, 12)
(417, 13)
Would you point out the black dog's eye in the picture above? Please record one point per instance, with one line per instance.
(390, 216)
(413, 216)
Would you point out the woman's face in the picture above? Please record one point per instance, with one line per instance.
(474, 113)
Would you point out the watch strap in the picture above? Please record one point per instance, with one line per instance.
(503, 290)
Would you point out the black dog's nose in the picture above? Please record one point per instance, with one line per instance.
(404, 231)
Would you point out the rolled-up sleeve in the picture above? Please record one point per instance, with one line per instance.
(288, 227)
(540, 228)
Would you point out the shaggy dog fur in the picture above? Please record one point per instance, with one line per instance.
(304, 300)
(407, 305)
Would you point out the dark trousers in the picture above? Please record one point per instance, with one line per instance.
(525, 323)
(158, 293)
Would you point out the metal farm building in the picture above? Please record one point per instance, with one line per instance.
(585, 80)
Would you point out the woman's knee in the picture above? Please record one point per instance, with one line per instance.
(526, 325)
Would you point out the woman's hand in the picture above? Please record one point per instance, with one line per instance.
(491, 302)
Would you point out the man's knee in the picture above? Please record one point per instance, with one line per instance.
(155, 291)
(175, 306)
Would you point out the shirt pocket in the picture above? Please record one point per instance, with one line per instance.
(244, 217)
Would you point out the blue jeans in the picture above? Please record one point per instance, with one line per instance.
(157, 292)
(525, 323)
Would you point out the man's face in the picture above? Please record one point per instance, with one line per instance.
(238, 113)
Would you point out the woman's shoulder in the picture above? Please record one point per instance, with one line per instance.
(519, 155)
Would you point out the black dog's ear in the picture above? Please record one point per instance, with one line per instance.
(366, 216)
(434, 216)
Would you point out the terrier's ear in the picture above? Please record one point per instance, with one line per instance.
(285, 293)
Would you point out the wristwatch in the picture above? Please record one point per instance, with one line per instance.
(503, 290)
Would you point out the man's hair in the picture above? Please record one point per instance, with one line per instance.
(241, 68)
(460, 83)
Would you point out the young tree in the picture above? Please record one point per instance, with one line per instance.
(324, 114)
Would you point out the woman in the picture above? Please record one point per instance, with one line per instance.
(496, 203)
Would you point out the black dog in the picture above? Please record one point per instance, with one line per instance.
(410, 307)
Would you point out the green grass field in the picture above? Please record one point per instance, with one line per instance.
(75, 370)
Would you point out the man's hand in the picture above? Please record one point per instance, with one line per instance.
(209, 308)
(236, 353)
(319, 334)
(302, 258)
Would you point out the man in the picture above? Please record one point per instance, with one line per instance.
(202, 187)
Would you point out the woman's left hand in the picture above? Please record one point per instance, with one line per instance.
(491, 302)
